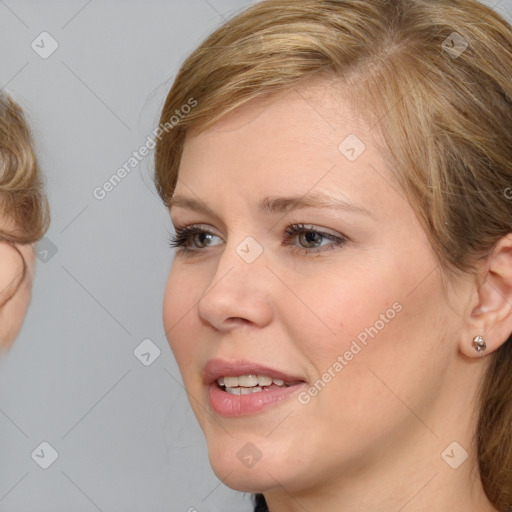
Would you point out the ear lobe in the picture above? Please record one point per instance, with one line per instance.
(492, 316)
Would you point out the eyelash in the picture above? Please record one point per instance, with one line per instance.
(183, 237)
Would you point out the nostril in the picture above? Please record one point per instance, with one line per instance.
(237, 319)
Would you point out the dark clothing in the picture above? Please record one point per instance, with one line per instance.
(260, 505)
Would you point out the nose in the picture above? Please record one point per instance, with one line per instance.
(239, 292)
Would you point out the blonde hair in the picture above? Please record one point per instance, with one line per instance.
(22, 198)
(437, 77)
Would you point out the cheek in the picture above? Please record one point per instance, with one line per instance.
(329, 310)
(13, 313)
(14, 300)
(384, 354)
(182, 293)
(366, 332)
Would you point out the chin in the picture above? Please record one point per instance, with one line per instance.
(8, 337)
(243, 465)
(250, 480)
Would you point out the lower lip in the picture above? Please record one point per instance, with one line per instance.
(226, 404)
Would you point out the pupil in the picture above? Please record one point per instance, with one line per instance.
(202, 238)
(311, 238)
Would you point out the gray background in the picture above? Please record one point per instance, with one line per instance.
(124, 433)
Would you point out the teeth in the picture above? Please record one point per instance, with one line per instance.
(248, 382)
(247, 391)
(263, 380)
(243, 391)
(231, 382)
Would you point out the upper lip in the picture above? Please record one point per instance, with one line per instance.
(216, 368)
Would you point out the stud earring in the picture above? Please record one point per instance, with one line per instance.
(479, 343)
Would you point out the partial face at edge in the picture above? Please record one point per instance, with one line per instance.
(12, 312)
(350, 292)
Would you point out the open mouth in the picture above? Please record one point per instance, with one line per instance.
(240, 387)
(247, 384)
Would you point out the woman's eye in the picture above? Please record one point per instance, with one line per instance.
(306, 239)
(191, 238)
(310, 239)
(203, 239)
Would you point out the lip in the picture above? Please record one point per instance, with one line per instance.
(228, 405)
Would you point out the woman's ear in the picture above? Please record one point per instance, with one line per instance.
(491, 318)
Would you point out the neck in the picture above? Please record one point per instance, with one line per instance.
(420, 489)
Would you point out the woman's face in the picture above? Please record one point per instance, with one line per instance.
(12, 312)
(308, 264)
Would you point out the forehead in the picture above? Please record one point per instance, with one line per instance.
(293, 141)
(314, 114)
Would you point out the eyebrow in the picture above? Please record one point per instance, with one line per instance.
(275, 205)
